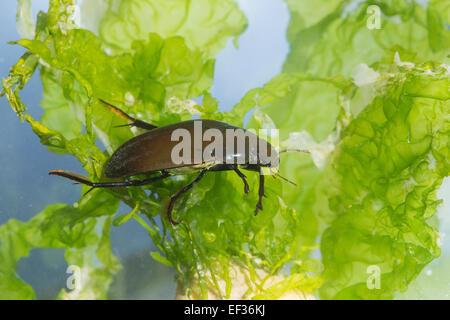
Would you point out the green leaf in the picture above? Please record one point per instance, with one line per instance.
(60, 226)
(59, 112)
(124, 218)
(162, 69)
(50, 138)
(381, 186)
(158, 257)
(205, 25)
(142, 80)
(371, 105)
(18, 76)
(24, 19)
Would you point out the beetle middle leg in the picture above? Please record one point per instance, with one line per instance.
(174, 198)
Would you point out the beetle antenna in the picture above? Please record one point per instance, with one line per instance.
(289, 150)
(294, 150)
(285, 179)
(134, 122)
(117, 111)
(124, 125)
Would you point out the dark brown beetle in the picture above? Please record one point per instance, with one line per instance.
(150, 153)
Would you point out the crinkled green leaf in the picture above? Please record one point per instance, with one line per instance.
(95, 277)
(59, 111)
(79, 52)
(19, 75)
(24, 19)
(58, 226)
(210, 104)
(50, 138)
(60, 17)
(381, 185)
(331, 40)
(205, 25)
(162, 69)
(158, 69)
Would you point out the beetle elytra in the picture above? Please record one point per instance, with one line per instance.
(151, 153)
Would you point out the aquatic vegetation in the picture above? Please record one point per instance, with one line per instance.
(372, 106)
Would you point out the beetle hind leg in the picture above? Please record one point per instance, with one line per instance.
(78, 178)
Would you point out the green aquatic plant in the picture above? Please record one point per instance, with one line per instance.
(377, 127)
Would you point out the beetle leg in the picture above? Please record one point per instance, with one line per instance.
(261, 193)
(174, 198)
(134, 122)
(242, 176)
(83, 180)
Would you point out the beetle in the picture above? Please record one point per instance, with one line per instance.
(151, 153)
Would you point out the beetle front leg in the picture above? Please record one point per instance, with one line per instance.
(242, 176)
(260, 193)
(175, 197)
